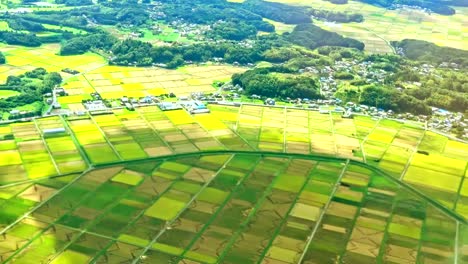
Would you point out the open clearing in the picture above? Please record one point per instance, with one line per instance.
(7, 93)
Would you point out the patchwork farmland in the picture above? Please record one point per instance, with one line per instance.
(22, 59)
(114, 82)
(227, 208)
(156, 186)
(381, 25)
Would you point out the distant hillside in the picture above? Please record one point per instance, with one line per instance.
(429, 52)
(312, 36)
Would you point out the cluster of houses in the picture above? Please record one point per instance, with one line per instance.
(446, 121)
(184, 102)
(365, 70)
(409, 7)
(190, 104)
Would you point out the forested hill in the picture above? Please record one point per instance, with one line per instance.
(312, 36)
(133, 52)
(429, 52)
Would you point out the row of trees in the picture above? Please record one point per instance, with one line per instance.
(23, 39)
(18, 23)
(341, 17)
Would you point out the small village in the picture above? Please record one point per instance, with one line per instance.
(441, 120)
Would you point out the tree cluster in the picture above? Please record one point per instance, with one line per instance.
(279, 12)
(82, 44)
(341, 17)
(134, 52)
(17, 23)
(312, 36)
(31, 86)
(23, 39)
(268, 83)
(447, 89)
(134, 15)
(233, 30)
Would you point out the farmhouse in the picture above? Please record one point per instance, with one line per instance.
(95, 105)
(167, 106)
(199, 111)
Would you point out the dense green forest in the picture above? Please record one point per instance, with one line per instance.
(270, 83)
(431, 53)
(312, 36)
(445, 88)
(82, 44)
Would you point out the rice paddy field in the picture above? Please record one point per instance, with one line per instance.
(22, 59)
(381, 25)
(430, 163)
(226, 208)
(27, 153)
(249, 184)
(114, 82)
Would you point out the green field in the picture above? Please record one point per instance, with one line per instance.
(7, 93)
(225, 208)
(150, 132)
(4, 26)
